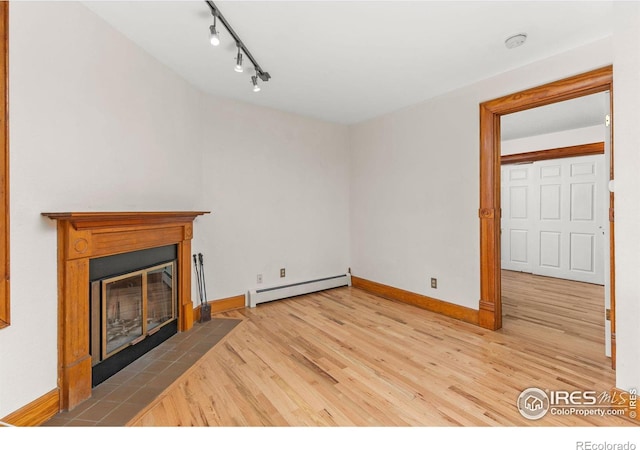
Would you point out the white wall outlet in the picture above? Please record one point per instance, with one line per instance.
(259, 278)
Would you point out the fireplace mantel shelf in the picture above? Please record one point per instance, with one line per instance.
(98, 219)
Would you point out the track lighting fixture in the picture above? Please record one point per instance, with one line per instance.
(254, 81)
(242, 49)
(239, 59)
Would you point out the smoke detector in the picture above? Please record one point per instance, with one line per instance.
(515, 41)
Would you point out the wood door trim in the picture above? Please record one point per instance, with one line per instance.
(595, 148)
(5, 316)
(599, 80)
(612, 259)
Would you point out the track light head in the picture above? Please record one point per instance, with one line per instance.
(254, 80)
(214, 36)
(238, 67)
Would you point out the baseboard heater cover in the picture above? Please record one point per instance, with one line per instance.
(257, 296)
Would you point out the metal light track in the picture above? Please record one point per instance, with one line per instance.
(264, 76)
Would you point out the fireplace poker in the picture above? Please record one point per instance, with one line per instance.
(204, 284)
(205, 308)
(195, 268)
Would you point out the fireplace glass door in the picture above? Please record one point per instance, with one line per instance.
(136, 305)
(161, 305)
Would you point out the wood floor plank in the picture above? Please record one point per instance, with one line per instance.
(345, 357)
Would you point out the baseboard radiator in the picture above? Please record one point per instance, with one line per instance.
(291, 290)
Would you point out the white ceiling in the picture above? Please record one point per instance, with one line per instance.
(348, 61)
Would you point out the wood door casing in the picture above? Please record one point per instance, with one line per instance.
(4, 166)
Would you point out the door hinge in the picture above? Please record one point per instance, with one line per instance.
(607, 314)
(607, 120)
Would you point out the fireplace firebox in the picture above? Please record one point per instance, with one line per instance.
(133, 307)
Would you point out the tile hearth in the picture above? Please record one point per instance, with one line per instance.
(118, 399)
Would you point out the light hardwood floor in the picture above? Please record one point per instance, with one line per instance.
(552, 313)
(348, 358)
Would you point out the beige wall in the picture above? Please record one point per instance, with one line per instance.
(277, 185)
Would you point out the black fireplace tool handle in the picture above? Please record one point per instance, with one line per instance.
(204, 284)
(205, 308)
(195, 267)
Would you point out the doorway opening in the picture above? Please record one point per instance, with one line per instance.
(554, 238)
(490, 305)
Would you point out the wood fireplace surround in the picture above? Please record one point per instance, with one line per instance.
(86, 235)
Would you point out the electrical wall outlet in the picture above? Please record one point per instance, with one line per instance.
(259, 278)
(282, 273)
(434, 283)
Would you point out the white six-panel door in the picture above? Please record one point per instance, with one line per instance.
(517, 217)
(553, 218)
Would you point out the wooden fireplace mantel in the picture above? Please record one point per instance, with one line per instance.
(86, 235)
(93, 219)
